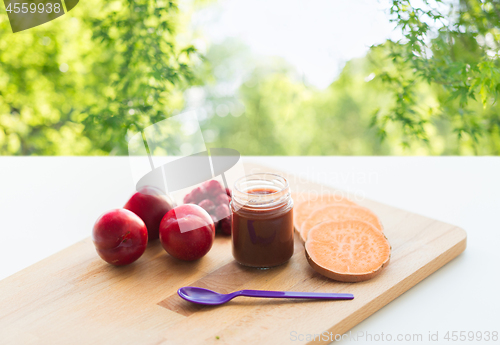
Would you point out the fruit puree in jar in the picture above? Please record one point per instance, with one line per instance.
(262, 221)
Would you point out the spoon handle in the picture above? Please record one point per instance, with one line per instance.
(292, 294)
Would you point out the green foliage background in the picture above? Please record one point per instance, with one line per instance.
(82, 84)
(79, 84)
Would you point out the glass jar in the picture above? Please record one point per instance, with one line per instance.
(262, 220)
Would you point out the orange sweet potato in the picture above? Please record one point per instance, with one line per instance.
(303, 209)
(338, 212)
(347, 251)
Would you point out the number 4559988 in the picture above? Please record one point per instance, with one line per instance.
(32, 8)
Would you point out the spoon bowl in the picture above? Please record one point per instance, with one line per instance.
(203, 296)
(209, 297)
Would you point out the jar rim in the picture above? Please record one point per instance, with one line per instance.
(238, 181)
(275, 182)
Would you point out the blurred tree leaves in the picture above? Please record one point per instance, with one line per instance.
(78, 84)
(268, 109)
(454, 48)
(81, 84)
(274, 112)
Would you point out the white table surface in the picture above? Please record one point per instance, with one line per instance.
(49, 203)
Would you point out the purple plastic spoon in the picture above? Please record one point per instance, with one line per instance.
(209, 297)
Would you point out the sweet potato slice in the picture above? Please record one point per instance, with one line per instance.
(338, 212)
(303, 209)
(347, 251)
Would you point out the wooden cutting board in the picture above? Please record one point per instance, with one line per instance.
(73, 297)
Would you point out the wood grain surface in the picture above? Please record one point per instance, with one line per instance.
(73, 297)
